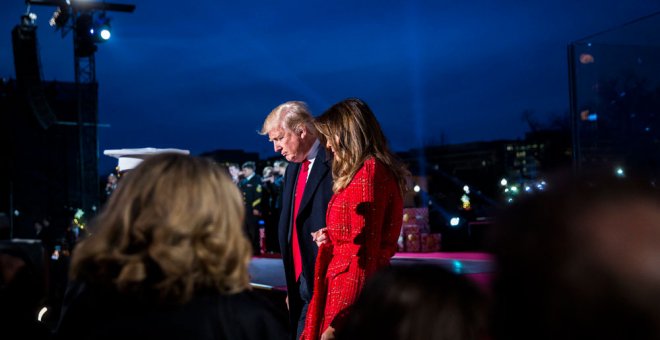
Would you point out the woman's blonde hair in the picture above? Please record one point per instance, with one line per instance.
(355, 135)
(172, 228)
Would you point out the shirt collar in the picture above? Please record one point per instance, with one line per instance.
(311, 156)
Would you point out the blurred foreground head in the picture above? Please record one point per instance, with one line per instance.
(171, 229)
(417, 302)
(581, 260)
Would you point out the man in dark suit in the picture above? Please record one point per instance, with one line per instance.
(305, 196)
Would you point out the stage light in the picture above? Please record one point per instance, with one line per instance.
(105, 33)
(454, 221)
(28, 19)
(619, 172)
(102, 28)
(504, 182)
(84, 25)
(84, 42)
(416, 188)
(60, 17)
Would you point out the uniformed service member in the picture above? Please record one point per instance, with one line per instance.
(252, 192)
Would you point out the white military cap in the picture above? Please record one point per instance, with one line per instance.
(130, 158)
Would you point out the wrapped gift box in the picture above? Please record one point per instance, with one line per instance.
(411, 238)
(416, 217)
(430, 242)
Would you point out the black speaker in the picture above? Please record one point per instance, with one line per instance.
(28, 73)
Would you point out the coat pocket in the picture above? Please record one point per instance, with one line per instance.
(340, 265)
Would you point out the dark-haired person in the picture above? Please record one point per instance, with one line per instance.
(364, 215)
(580, 260)
(417, 302)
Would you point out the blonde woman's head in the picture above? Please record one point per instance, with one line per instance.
(172, 228)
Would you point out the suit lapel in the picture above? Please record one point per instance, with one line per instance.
(290, 184)
(319, 171)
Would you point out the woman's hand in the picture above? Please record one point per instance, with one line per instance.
(329, 334)
(320, 236)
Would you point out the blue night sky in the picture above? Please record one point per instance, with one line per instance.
(203, 75)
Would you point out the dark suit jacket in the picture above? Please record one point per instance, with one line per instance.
(311, 217)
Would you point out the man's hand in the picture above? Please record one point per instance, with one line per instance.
(286, 300)
(320, 236)
(329, 334)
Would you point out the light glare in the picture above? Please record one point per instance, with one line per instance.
(41, 313)
(105, 34)
(620, 172)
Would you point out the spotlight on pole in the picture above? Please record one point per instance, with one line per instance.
(28, 20)
(105, 33)
(102, 30)
(60, 17)
(83, 17)
(85, 38)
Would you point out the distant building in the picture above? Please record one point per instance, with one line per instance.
(539, 154)
(465, 180)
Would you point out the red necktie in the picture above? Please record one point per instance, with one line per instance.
(300, 189)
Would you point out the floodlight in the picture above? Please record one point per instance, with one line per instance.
(105, 33)
(28, 19)
(102, 30)
(60, 17)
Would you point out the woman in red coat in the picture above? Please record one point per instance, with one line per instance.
(364, 216)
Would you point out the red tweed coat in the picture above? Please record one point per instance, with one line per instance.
(363, 220)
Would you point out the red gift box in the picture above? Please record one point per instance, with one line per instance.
(416, 216)
(430, 242)
(411, 238)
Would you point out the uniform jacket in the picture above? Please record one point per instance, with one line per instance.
(252, 191)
